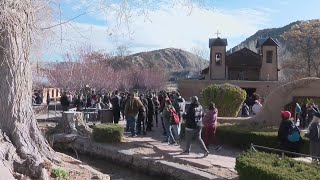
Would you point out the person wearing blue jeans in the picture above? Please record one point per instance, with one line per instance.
(131, 111)
(132, 120)
(194, 125)
(169, 124)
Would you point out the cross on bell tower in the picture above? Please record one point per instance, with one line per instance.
(217, 33)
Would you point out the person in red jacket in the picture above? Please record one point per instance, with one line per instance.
(210, 123)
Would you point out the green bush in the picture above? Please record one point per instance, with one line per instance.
(108, 133)
(228, 98)
(60, 174)
(243, 136)
(259, 165)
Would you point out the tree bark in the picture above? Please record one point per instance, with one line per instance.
(23, 148)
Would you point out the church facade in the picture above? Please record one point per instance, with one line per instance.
(252, 71)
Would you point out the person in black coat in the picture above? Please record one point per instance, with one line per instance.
(65, 103)
(142, 116)
(79, 104)
(303, 116)
(150, 114)
(116, 107)
(245, 111)
(194, 126)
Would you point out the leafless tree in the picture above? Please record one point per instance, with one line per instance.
(23, 148)
(122, 51)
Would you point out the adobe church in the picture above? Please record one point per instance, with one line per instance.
(254, 72)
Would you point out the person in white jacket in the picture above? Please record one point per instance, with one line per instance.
(256, 108)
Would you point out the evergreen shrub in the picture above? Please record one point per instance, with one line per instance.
(108, 133)
(227, 98)
(263, 166)
(242, 137)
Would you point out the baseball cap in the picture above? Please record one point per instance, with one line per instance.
(286, 114)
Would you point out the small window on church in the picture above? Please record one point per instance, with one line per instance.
(269, 56)
(218, 58)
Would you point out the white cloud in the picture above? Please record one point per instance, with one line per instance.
(169, 27)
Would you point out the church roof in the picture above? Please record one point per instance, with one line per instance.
(218, 42)
(267, 42)
(244, 57)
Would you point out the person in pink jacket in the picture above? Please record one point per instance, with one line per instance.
(210, 124)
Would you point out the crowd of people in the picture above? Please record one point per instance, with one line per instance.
(145, 110)
(251, 107)
(178, 122)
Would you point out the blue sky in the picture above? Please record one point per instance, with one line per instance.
(170, 26)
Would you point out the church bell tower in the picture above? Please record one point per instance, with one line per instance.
(268, 48)
(217, 70)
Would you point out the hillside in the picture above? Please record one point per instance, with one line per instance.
(169, 59)
(273, 32)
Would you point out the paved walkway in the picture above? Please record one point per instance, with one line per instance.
(225, 158)
(220, 163)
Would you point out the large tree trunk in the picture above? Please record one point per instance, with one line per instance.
(23, 149)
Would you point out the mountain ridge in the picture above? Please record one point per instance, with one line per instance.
(276, 33)
(169, 59)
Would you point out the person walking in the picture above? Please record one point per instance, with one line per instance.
(179, 105)
(164, 97)
(169, 124)
(314, 135)
(156, 109)
(210, 124)
(194, 125)
(116, 107)
(131, 111)
(142, 121)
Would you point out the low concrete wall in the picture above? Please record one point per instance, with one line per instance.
(148, 165)
(189, 88)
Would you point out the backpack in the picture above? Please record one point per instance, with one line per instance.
(198, 113)
(174, 116)
(294, 134)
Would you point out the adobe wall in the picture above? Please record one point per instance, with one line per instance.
(275, 102)
(189, 88)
